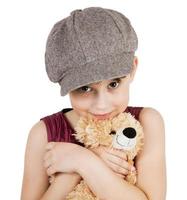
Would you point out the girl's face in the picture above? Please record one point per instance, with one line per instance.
(107, 96)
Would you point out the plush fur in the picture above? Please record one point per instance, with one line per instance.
(122, 132)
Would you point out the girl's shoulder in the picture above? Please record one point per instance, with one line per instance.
(38, 135)
(146, 115)
(153, 124)
(150, 114)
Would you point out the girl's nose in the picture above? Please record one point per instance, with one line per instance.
(101, 103)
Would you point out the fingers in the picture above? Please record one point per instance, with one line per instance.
(115, 159)
(48, 163)
(47, 155)
(51, 170)
(121, 163)
(117, 152)
(49, 160)
(121, 176)
(51, 179)
(117, 169)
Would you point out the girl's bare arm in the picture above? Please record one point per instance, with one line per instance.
(35, 184)
(150, 164)
(104, 183)
(101, 178)
(62, 185)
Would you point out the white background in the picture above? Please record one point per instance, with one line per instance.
(27, 94)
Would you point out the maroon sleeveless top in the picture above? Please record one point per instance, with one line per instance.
(59, 128)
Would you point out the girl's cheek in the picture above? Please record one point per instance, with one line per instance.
(81, 103)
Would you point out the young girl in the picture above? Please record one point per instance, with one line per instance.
(91, 55)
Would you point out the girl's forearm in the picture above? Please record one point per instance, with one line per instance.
(104, 182)
(61, 186)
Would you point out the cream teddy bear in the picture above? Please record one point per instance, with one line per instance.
(122, 132)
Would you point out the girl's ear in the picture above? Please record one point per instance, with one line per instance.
(134, 68)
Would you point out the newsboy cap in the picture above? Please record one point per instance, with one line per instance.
(90, 45)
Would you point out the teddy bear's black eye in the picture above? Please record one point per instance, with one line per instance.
(112, 132)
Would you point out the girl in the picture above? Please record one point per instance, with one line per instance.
(91, 55)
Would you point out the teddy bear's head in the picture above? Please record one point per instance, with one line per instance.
(121, 132)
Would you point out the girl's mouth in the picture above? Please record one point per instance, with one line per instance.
(102, 117)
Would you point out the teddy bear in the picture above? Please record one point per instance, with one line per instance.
(122, 132)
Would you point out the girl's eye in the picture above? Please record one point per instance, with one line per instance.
(84, 89)
(114, 84)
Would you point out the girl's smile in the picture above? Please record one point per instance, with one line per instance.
(102, 116)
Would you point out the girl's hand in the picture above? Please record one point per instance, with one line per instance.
(115, 159)
(62, 157)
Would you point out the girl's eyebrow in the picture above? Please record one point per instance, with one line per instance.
(123, 76)
(115, 79)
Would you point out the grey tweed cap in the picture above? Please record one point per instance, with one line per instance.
(90, 45)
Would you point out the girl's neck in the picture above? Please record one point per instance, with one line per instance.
(72, 117)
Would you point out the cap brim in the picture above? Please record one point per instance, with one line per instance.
(106, 68)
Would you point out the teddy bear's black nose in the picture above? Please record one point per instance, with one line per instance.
(129, 132)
